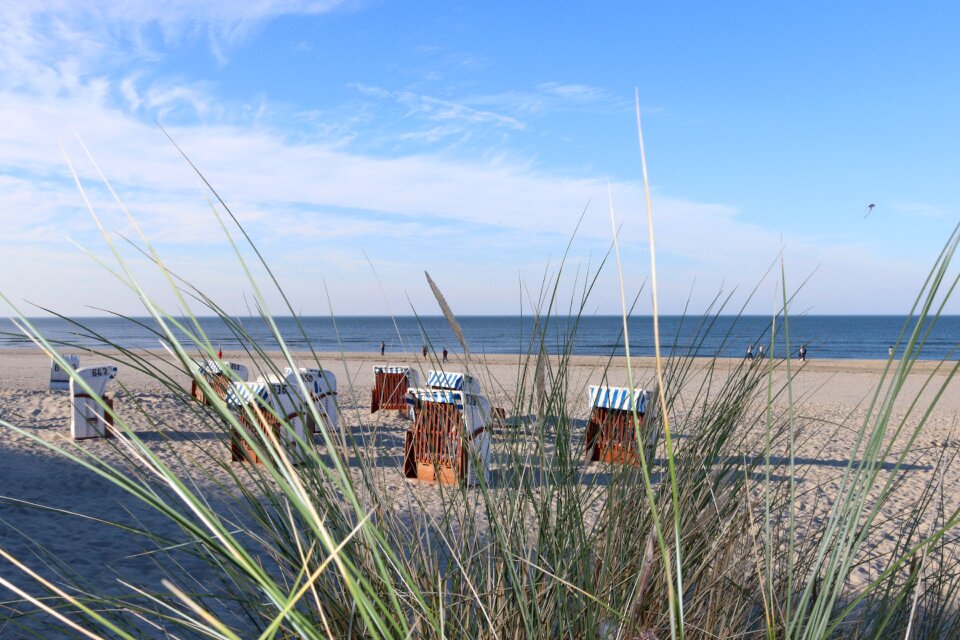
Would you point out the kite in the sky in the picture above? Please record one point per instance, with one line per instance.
(869, 210)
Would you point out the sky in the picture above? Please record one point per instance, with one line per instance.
(361, 143)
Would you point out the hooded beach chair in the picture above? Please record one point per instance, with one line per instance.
(89, 418)
(450, 438)
(216, 376)
(390, 385)
(322, 385)
(611, 436)
(59, 378)
(270, 411)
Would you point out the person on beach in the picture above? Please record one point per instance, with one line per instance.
(383, 346)
(424, 351)
(803, 353)
(444, 354)
(749, 352)
(219, 353)
(760, 351)
(890, 351)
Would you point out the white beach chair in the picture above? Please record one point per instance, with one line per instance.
(322, 385)
(251, 403)
(89, 419)
(59, 378)
(390, 385)
(217, 377)
(450, 438)
(611, 436)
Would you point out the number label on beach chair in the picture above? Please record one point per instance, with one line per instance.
(89, 417)
(59, 378)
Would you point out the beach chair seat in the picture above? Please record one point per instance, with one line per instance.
(92, 410)
(215, 374)
(390, 386)
(450, 438)
(322, 385)
(611, 436)
(270, 412)
(60, 378)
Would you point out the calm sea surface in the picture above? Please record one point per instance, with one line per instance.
(864, 337)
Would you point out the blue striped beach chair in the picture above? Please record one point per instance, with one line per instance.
(611, 436)
(270, 412)
(450, 438)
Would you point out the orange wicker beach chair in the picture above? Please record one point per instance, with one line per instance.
(215, 374)
(59, 378)
(450, 438)
(611, 436)
(269, 412)
(90, 418)
(390, 385)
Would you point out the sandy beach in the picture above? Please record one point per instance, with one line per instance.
(50, 505)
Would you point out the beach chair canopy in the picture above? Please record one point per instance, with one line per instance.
(619, 398)
(59, 378)
(453, 381)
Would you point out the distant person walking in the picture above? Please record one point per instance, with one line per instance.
(760, 351)
(383, 347)
(803, 353)
(749, 352)
(424, 351)
(444, 354)
(890, 351)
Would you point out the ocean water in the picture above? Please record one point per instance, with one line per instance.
(860, 337)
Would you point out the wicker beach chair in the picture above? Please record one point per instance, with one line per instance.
(59, 378)
(215, 374)
(270, 412)
(322, 385)
(90, 418)
(390, 385)
(450, 438)
(611, 436)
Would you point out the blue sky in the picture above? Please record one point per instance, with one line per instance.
(467, 138)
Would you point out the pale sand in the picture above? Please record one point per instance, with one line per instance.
(827, 393)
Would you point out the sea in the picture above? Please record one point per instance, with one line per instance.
(825, 336)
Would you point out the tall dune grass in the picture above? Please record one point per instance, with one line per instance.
(704, 541)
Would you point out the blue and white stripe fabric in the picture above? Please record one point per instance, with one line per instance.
(443, 380)
(241, 393)
(403, 370)
(618, 398)
(444, 396)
